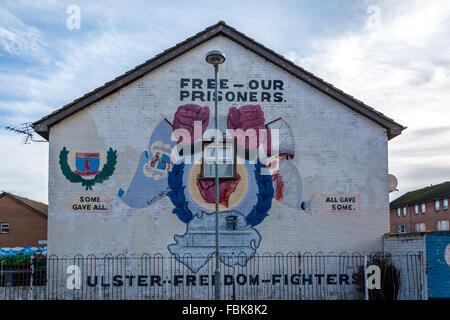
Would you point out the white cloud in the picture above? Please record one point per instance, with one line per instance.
(23, 167)
(17, 38)
(400, 68)
(78, 65)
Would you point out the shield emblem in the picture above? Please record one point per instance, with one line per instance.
(87, 164)
(160, 164)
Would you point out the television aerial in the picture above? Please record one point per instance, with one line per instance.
(26, 131)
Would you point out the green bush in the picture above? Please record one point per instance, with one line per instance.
(21, 261)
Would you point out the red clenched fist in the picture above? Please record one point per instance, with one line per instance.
(185, 117)
(249, 118)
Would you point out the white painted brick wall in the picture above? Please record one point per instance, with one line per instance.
(337, 151)
(402, 245)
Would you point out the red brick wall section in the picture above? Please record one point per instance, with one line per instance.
(26, 226)
(429, 217)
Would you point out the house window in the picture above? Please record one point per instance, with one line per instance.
(436, 205)
(398, 212)
(416, 209)
(404, 211)
(422, 207)
(442, 225)
(401, 228)
(227, 160)
(445, 204)
(4, 228)
(420, 227)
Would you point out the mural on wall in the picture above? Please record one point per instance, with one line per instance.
(150, 182)
(87, 167)
(438, 264)
(244, 200)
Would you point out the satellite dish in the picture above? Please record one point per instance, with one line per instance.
(392, 183)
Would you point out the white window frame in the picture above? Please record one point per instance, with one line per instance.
(229, 159)
(401, 228)
(420, 227)
(423, 208)
(437, 205)
(416, 209)
(399, 212)
(5, 226)
(404, 211)
(445, 204)
(442, 225)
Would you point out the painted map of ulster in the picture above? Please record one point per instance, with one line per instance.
(197, 246)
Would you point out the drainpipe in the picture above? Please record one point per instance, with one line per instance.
(366, 289)
(409, 210)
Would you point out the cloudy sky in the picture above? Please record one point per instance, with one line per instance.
(392, 54)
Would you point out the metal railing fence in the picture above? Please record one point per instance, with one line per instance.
(300, 276)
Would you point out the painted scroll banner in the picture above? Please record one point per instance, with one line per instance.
(340, 203)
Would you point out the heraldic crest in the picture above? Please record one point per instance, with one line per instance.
(88, 164)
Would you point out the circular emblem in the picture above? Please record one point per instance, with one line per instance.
(447, 255)
(235, 197)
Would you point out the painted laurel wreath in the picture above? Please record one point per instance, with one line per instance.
(107, 171)
(255, 217)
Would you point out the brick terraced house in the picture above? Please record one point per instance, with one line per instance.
(421, 210)
(23, 222)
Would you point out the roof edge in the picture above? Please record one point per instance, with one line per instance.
(421, 197)
(42, 126)
(11, 196)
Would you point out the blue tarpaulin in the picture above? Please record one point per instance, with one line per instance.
(5, 252)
